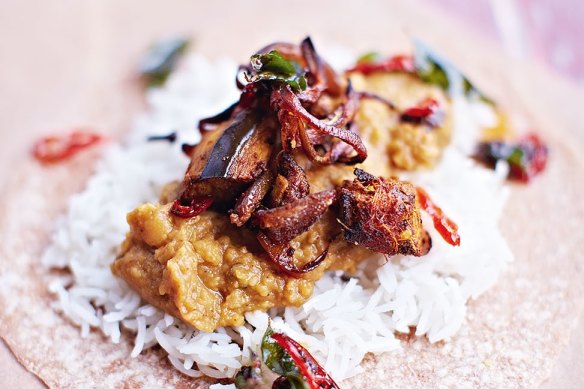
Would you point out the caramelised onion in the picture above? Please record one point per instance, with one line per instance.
(211, 123)
(282, 224)
(376, 97)
(243, 164)
(283, 256)
(291, 183)
(251, 199)
(295, 119)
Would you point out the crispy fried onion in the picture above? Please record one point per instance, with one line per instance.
(290, 184)
(242, 163)
(382, 215)
(296, 122)
(251, 199)
(282, 224)
(283, 256)
(278, 226)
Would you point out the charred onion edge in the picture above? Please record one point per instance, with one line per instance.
(251, 199)
(276, 222)
(289, 107)
(283, 255)
(210, 123)
(376, 97)
(171, 137)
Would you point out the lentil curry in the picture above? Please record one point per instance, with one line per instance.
(287, 207)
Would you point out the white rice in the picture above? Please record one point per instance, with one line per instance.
(344, 320)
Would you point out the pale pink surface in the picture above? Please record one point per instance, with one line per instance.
(548, 31)
(66, 99)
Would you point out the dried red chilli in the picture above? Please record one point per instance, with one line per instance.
(526, 158)
(398, 63)
(314, 375)
(53, 149)
(533, 161)
(427, 112)
(443, 224)
(192, 208)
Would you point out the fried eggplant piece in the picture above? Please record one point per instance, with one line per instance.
(382, 215)
(230, 158)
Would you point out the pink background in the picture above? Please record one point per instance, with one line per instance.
(552, 32)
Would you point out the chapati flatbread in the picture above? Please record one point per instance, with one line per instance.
(511, 337)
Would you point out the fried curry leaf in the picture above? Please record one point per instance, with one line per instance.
(273, 62)
(161, 60)
(275, 357)
(526, 158)
(273, 66)
(249, 377)
(279, 361)
(434, 69)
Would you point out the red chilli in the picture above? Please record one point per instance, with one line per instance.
(53, 149)
(422, 111)
(443, 224)
(534, 161)
(192, 208)
(398, 63)
(315, 376)
(427, 112)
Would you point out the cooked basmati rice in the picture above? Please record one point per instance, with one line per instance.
(344, 320)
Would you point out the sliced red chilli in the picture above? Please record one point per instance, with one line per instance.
(314, 374)
(398, 63)
(443, 224)
(53, 149)
(428, 112)
(190, 208)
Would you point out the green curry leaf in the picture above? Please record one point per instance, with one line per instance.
(273, 66)
(433, 69)
(275, 357)
(161, 59)
(273, 62)
(279, 361)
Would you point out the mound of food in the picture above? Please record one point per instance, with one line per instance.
(305, 207)
(294, 128)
